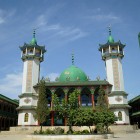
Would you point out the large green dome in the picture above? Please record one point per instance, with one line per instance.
(72, 74)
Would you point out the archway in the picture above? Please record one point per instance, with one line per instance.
(96, 94)
(86, 97)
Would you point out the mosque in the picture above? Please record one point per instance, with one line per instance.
(70, 79)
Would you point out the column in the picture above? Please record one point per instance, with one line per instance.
(52, 112)
(52, 93)
(109, 49)
(66, 89)
(34, 51)
(52, 118)
(79, 89)
(102, 52)
(118, 49)
(92, 89)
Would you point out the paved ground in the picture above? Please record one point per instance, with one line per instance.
(12, 137)
(128, 136)
(131, 136)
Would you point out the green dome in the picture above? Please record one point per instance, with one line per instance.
(72, 74)
(33, 41)
(110, 39)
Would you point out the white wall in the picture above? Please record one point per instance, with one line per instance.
(31, 120)
(110, 73)
(24, 79)
(125, 116)
(113, 99)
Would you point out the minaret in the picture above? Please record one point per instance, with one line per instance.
(32, 55)
(112, 53)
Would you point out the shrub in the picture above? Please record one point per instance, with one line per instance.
(58, 130)
(76, 133)
(48, 131)
(85, 132)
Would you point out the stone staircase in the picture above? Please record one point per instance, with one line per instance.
(30, 130)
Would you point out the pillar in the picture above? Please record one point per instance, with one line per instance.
(79, 89)
(66, 99)
(52, 91)
(52, 118)
(52, 111)
(92, 89)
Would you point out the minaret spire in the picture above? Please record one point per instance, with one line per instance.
(34, 33)
(110, 38)
(109, 27)
(33, 41)
(139, 38)
(72, 58)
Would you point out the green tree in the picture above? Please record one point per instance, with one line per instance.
(84, 117)
(67, 108)
(102, 100)
(103, 119)
(42, 110)
(103, 116)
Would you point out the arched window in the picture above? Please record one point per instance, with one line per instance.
(26, 117)
(120, 116)
(86, 97)
(96, 96)
(60, 94)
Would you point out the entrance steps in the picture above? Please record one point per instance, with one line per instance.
(31, 129)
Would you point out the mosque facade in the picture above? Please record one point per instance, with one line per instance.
(70, 79)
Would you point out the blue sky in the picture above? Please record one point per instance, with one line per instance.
(64, 26)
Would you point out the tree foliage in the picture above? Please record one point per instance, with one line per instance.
(103, 116)
(84, 117)
(67, 108)
(42, 110)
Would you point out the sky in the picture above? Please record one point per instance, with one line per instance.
(66, 26)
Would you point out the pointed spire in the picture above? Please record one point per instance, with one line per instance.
(110, 38)
(139, 38)
(34, 33)
(33, 41)
(109, 30)
(72, 58)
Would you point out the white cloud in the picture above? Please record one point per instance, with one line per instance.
(66, 33)
(53, 76)
(103, 17)
(5, 15)
(2, 20)
(99, 15)
(10, 85)
(40, 21)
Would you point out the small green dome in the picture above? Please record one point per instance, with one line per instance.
(110, 39)
(72, 74)
(33, 41)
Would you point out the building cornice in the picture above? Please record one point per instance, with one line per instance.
(9, 100)
(78, 83)
(28, 95)
(118, 106)
(26, 107)
(134, 99)
(135, 113)
(119, 93)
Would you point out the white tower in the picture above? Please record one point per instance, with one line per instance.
(31, 54)
(112, 53)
